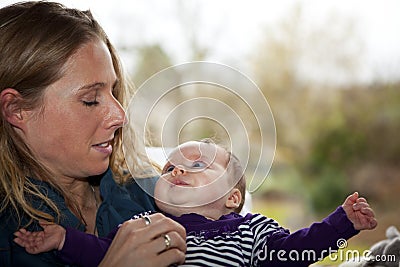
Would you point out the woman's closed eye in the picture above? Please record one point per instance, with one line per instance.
(91, 98)
(90, 103)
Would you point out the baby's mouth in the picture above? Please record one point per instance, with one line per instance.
(179, 182)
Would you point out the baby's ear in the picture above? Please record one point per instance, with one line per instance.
(234, 199)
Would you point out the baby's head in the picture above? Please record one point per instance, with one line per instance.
(201, 177)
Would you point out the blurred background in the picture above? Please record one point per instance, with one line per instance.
(330, 71)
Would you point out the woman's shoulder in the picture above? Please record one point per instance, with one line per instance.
(132, 186)
(121, 201)
(142, 190)
(142, 184)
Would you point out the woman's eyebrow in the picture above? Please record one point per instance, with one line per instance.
(92, 86)
(97, 85)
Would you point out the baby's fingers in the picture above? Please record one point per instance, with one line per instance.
(23, 231)
(367, 211)
(21, 239)
(22, 234)
(19, 242)
(372, 223)
(351, 199)
(361, 199)
(360, 205)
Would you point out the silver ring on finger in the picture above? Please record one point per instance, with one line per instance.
(167, 241)
(146, 219)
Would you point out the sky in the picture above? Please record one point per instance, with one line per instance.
(231, 29)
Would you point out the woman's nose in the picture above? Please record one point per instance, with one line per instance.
(116, 116)
(178, 171)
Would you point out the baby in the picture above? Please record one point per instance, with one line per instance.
(202, 186)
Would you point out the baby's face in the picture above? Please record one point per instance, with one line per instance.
(197, 164)
(194, 175)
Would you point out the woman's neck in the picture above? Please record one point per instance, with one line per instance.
(87, 199)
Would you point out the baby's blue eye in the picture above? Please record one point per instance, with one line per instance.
(198, 164)
(170, 168)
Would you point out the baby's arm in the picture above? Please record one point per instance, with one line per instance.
(74, 247)
(354, 215)
(359, 212)
(84, 249)
(52, 237)
(314, 242)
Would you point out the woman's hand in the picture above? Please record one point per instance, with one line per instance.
(162, 242)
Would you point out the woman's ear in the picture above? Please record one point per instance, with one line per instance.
(234, 199)
(10, 101)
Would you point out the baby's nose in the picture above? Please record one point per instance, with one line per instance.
(178, 171)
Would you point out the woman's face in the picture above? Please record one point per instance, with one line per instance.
(72, 132)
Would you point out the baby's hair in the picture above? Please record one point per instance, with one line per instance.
(234, 168)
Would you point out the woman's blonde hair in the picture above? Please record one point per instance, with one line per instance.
(36, 40)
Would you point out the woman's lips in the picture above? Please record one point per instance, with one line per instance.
(105, 147)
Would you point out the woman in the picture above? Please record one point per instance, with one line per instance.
(61, 159)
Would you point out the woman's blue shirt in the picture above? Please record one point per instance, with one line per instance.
(119, 203)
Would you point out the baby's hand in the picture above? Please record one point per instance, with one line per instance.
(52, 237)
(359, 212)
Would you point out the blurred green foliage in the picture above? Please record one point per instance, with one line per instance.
(338, 136)
(334, 136)
(364, 132)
